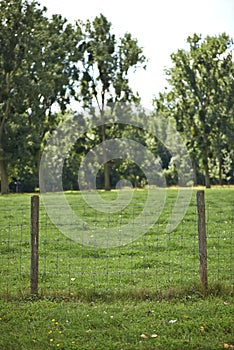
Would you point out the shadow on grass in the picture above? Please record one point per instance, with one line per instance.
(132, 294)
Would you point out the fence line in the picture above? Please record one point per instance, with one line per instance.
(202, 238)
(34, 231)
(156, 261)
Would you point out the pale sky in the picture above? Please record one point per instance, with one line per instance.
(161, 27)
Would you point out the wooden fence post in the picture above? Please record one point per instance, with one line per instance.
(202, 238)
(34, 233)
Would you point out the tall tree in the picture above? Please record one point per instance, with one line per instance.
(105, 68)
(200, 95)
(35, 74)
(12, 45)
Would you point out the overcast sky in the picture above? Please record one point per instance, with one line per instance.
(161, 27)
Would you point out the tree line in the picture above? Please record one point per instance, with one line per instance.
(48, 64)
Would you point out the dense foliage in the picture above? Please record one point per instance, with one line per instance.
(47, 64)
(200, 98)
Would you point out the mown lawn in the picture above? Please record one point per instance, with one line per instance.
(144, 295)
(191, 322)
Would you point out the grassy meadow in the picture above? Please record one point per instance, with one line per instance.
(143, 295)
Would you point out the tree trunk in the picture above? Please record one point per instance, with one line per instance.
(205, 160)
(194, 172)
(107, 176)
(220, 170)
(3, 173)
(207, 174)
(41, 179)
(3, 163)
(106, 164)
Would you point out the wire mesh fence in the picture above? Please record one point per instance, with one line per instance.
(156, 261)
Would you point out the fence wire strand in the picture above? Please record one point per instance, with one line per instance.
(155, 261)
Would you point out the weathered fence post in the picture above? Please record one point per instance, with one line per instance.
(34, 232)
(202, 238)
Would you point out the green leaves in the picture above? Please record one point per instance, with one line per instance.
(201, 95)
(106, 62)
(47, 63)
(36, 72)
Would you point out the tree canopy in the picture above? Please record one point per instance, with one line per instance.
(35, 74)
(48, 63)
(200, 99)
(105, 65)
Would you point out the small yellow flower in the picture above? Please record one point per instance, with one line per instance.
(56, 323)
(0, 318)
(60, 332)
(58, 345)
(53, 320)
(51, 340)
(50, 332)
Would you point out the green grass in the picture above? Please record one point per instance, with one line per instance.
(92, 298)
(191, 322)
(153, 262)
